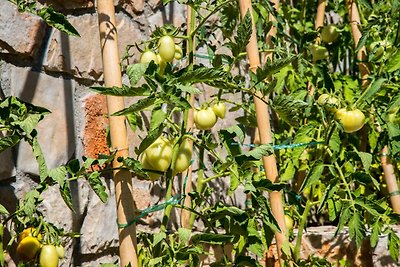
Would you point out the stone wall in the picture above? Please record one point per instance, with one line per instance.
(50, 69)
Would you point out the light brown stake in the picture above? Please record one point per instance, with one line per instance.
(122, 178)
(263, 123)
(185, 214)
(364, 67)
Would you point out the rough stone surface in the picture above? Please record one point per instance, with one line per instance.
(95, 126)
(81, 56)
(56, 130)
(20, 33)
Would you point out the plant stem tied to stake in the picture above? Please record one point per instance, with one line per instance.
(263, 123)
(122, 178)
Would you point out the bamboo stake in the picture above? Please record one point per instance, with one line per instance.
(390, 179)
(263, 123)
(364, 68)
(185, 214)
(122, 178)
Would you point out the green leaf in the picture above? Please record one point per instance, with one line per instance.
(356, 229)
(366, 159)
(140, 105)
(393, 63)
(135, 166)
(394, 104)
(37, 152)
(234, 178)
(335, 141)
(8, 141)
(97, 185)
(158, 116)
(371, 90)
(184, 235)
(313, 177)
(149, 139)
(289, 108)
(242, 37)
(255, 154)
(57, 20)
(158, 237)
(122, 91)
(210, 238)
(363, 40)
(58, 174)
(135, 72)
(188, 89)
(289, 172)
(394, 245)
(265, 184)
(65, 192)
(3, 211)
(375, 232)
(270, 68)
(201, 74)
(177, 101)
(32, 199)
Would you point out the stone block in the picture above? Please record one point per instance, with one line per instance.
(56, 130)
(20, 33)
(81, 56)
(7, 166)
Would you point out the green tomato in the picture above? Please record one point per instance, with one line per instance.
(319, 52)
(27, 248)
(48, 256)
(205, 119)
(166, 48)
(148, 56)
(183, 157)
(152, 175)
(289, 222)
(351, 120)
(377, 49)
(219, 110)
(178, 52)
(329, 102)
(60, 251)
(159, 154)
(329, 33)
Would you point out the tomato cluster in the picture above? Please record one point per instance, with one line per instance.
(351, 120)
(167, 52)
(206, 118)
(30, 246)
(157, 158)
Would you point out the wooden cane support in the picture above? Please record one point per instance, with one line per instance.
(122, 178)
(364, 68)
(187, 175)
(263, 123)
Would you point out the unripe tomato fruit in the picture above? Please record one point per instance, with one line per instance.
(328, 102)
(166, 48)
(178, 52)
(31, 231)
(289, 222)
(48, 256)
(319, 52)
(329, 33)
(378, 49)
(219, 110)
(159, 154)
(60, 251)
(183, 157)
(148, 56)
(205, 119)
(352, 120)
(28, 248)
(152, 175)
